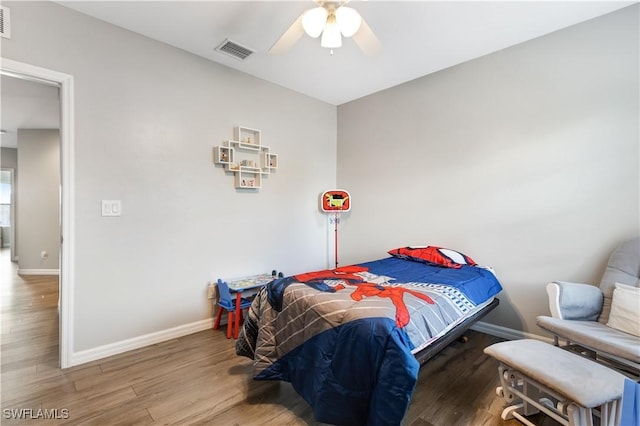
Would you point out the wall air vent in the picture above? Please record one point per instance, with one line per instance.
(5, 22)
(234, 49)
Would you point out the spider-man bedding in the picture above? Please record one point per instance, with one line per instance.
(346, 338)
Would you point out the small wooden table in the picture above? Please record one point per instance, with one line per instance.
(239, 285)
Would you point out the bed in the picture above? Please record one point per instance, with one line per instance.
(351, 340)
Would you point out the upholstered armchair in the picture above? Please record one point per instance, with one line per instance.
(581, 314)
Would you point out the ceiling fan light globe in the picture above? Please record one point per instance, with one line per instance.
(348, 20)
(331, 37)
(314, 21)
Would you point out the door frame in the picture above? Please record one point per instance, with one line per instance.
(67, 233)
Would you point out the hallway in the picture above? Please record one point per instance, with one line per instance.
(29, 318)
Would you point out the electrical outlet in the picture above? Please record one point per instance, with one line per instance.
(44, 255)
(212, 291)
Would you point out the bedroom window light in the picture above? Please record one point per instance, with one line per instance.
(348, 20)
(331, 35)
(5, 198)
(314, 20)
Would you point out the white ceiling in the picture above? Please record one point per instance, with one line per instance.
(417, 38)
(26, 105)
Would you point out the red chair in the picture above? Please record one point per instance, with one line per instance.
(228, 303)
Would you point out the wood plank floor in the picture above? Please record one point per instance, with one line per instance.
(197, 379)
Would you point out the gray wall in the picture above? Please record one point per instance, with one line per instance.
(9, 158)
(526, 159)
(38, 190)
(147, 117)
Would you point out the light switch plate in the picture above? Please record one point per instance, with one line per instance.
(111, 208)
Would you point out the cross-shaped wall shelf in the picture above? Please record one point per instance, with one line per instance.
(239, 157)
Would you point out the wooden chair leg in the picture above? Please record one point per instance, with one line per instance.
(216, 324)
(230, 324)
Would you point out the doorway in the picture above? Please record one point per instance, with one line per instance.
(64, 83)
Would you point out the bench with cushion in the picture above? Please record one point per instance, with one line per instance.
(536, 376)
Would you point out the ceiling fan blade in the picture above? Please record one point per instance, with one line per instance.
(289, 38)
(367, 40)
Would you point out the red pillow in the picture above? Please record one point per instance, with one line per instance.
(433, 255)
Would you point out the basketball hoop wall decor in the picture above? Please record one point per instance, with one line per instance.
(335, 201)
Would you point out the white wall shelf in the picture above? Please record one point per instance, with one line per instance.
(247, 137)
(246, 158)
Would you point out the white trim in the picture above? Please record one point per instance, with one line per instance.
(38, 271)
(507, 333)
(67, 170)
(111, 349)
(116, 348)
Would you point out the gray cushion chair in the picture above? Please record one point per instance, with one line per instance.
(580, 312)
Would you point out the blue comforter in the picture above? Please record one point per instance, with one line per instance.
(345, 338)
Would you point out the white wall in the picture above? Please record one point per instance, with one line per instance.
(147, 118)
(526, 160)
(38, 211)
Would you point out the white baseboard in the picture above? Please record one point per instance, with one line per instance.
(507, 333)
(38, 271)
(110, 349)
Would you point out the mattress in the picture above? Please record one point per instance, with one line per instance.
(346, 338)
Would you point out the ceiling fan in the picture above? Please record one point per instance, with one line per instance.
(332, 20)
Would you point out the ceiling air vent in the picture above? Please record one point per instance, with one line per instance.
(234, 49)
(5, 22)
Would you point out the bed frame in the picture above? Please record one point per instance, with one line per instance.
(442, 342)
